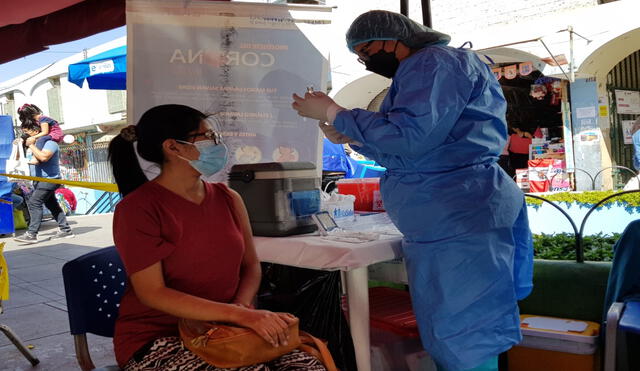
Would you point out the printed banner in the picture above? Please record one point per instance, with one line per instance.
(510, 72)
(497, 72)
(627, 125)
(526, 68)
(546, 175)
(627, 102)
(240, 61)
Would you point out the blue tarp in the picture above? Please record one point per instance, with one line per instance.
(6, 140)
(106, 70)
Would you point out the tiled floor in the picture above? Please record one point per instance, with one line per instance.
(36, 310)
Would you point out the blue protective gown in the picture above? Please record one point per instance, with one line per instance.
(636, 150)
(467, 243)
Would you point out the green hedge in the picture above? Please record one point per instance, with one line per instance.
(587, 199)
(561, 246)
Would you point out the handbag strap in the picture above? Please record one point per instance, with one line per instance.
(317, 348)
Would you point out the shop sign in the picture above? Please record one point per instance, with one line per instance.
(628, 102)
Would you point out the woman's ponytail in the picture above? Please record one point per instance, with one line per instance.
(126, 169)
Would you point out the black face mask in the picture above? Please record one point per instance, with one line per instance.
(383, 63)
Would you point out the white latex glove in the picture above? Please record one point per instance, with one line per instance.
(314, 105)
(335, 136)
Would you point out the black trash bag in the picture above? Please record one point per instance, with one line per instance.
(315, 298)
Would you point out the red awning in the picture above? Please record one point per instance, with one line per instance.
(27, 27)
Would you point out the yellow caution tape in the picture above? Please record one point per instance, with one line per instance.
(4, 276)
(107, 187)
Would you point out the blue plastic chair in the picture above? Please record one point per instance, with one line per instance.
(622, 301)
(94, 284)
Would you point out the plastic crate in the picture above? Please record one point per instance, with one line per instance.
(555, 350)
(390, 310)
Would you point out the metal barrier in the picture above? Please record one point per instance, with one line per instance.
(86, 163)
(578, 232)
(593, 180)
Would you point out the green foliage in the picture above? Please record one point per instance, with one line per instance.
(588, 199)
(562, 246)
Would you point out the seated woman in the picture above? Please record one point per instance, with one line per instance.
(186, 245)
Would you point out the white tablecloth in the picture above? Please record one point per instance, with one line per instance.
(316, 252)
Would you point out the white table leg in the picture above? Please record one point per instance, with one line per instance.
(358, 300)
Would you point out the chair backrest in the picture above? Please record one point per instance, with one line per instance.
(567, 289)
(624, 280)
(94, 284)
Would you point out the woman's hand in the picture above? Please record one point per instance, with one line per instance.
(335, 136)
(271, 326)
(314, 105)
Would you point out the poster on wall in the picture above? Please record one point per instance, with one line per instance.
(627, 102)
(626, 130)
(240, 62)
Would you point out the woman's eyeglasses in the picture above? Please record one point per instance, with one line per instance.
(209, 134)
(364, 58)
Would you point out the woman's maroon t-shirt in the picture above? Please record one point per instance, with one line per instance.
(201, 250)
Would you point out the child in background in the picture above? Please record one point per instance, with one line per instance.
(49, 128)
(28, 140)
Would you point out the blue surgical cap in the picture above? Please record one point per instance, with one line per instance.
(384, 25)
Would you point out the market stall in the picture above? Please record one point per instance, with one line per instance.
(537, 112)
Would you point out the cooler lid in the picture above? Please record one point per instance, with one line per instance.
(274, 166)
(272, 170)
(559, 328)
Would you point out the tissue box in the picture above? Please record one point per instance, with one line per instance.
(339, 206)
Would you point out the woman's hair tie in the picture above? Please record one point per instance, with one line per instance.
(129, 133)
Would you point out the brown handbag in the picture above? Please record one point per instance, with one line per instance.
(228, 346)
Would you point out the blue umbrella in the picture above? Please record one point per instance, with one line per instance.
(106, 70)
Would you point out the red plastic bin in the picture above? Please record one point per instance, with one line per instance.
(390, 310)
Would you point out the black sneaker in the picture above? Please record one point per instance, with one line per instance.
(27, 238)
(64, 234)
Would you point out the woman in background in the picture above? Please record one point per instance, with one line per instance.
(519, 143)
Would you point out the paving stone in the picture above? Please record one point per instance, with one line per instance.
(20, 297)
(47, 295)
(34, 321)
(39, 272)
(66, 252)
(17, 261)
(56, 353)
(54, 285)
(62, 304)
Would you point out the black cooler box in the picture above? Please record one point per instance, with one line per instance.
(279, 196)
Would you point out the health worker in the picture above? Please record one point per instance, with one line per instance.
(439, 132)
